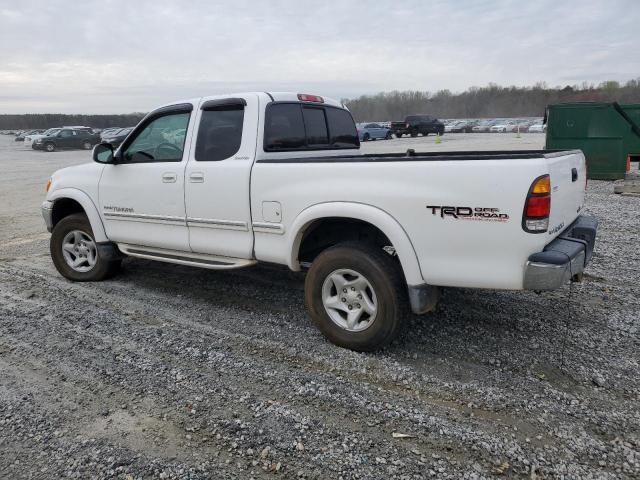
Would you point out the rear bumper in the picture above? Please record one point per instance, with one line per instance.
(565, 258)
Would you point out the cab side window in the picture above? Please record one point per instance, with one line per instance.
(66, 133)
(219, 133)
(161, 140)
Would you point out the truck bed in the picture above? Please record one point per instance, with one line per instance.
(413, 189)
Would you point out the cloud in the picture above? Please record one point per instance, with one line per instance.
(116, 56)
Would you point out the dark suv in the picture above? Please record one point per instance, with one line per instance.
(67, 138)
(415, 124)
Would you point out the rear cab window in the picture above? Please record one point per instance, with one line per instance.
(293, 126)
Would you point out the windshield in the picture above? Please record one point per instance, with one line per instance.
(52, 131)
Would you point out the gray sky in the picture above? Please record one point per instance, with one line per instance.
(111, 56)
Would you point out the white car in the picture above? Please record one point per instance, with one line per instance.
(278, 178)
(29, 140)
(503, 127)
(538, 128)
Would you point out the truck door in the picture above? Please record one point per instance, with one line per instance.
(218, 176)
(142, 197)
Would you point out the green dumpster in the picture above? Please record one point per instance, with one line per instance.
(605, 132)
(633, 112)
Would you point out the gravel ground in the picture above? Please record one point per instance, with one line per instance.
(172, 372)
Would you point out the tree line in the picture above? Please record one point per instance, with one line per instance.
(487, 102)
(50, 120)
(475, 102)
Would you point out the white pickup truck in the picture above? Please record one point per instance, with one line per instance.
(227, 181)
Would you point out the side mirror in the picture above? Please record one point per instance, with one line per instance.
(103, 153)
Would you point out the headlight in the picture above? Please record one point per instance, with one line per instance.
(39, 140)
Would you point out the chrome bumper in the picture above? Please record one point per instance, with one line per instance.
(47, 209)
(565, 258)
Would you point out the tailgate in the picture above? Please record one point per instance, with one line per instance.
(568, 174)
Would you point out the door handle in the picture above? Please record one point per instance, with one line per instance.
(196, 177)
(169, 177)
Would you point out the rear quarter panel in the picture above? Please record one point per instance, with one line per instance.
(461, 252)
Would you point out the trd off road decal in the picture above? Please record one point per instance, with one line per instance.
(469, 213)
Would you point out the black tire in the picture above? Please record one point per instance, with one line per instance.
(385, 277)
(50, 147)
(87, 145)
(366, 137)
(398, 135)
(388, 136)
(425, 134)
(102, 268)
(414, 134)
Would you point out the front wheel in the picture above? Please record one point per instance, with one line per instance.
(366, 137)
(75, 253)
(388, 136)
(50, 147)
(87, 145)
(355, 296)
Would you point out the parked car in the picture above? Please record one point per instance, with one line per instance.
(116, 137)
(373, 131)
(538, 128)
(462, 126)
(29, 139)
(417, 124)
(21, 135)
(107, 131)
(448, 125)
(503, 126)
(523, 125)
(67, 138)
(277, 177)
(484, 125)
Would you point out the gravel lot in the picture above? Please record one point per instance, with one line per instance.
(172, 372)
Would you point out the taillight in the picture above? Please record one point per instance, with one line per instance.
(303, 97)
(537, 207)
(407, 125)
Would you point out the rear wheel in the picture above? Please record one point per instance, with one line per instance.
(87, 145)
(366, 137)
(354, 294)
(75, 253)
(388, 136)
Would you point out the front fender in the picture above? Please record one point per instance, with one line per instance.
(87, 204)
(366, 213)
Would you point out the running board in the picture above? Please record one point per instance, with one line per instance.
(201, 260)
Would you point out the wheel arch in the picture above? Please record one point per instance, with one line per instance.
(359, 212)
(67, 201)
